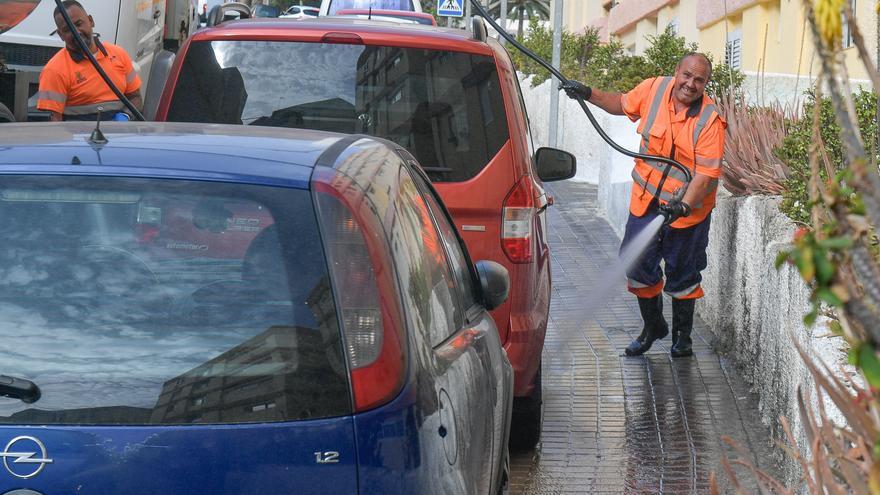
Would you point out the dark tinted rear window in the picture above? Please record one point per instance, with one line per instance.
(165, 302)
(445, 107)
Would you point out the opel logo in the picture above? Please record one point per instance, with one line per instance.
(18, 457)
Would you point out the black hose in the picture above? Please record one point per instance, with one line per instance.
(543, 63)
(88, 53)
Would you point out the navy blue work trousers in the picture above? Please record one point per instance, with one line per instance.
(683, 252)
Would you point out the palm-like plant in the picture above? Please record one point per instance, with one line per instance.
(520, 10)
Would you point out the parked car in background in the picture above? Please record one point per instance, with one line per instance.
(378, 14)
(214, 309)
(300, 12)
(332, 7)
(450, 97)
(262, 10)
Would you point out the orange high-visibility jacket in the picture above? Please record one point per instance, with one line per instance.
(72, 86)
(698, 136)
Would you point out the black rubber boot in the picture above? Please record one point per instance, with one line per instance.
(655, 326)
(682, 324)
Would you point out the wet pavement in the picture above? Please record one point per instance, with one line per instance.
(619, 424)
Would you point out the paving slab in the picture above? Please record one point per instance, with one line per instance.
(617, 424)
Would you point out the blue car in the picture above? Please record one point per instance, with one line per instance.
(208, 309)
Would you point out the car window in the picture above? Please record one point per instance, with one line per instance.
(459, 261)
(337, 5)
(425, 278)
(444, 107)
(293, 10)
(166, 302)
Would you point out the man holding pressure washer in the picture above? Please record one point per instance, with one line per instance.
(679, 121)
(70, 87)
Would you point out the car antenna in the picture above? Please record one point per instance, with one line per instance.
(370, 11)
(97, 136)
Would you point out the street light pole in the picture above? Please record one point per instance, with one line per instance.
(554, 83)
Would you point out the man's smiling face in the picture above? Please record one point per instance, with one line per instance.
(691, 76)
(83, 23)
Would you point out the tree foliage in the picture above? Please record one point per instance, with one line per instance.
(795, 148)
(609, 67)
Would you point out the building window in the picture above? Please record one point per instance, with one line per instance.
(847, 38)
(673, 25)
(733, 50)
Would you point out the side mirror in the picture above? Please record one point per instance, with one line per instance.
(218, 13)
(554, 164)
(494, 282)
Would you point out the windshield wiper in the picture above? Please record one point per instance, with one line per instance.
(19, 388)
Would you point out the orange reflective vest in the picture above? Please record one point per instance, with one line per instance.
(71, 86)
(697, 134)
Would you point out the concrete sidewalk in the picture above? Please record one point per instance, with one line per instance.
(616, 424)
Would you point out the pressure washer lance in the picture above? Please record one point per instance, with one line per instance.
(630, 254)
(88, 53)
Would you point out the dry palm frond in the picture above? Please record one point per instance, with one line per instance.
(750, 165)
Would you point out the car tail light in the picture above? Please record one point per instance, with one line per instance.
(517, 226)
(364, 288)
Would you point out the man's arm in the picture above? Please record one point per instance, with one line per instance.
(610, 102)
(136, 100)
(699, 187)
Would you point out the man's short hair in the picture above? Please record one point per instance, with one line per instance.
(696, 54)
(68, 4)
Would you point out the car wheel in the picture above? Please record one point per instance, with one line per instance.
(5, 115)
(525, 427)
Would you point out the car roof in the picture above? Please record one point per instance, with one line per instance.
(373, 32)
(218, 152)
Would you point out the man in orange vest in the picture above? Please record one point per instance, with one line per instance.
(676, 120)
(70, 87)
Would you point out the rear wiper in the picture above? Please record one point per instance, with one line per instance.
(19, 388)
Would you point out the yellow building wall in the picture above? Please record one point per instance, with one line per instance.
(713, 39)
(687, 20)
(576, 15)
(644, 28)
(628, 40)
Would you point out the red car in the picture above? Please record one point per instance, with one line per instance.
(449, 96)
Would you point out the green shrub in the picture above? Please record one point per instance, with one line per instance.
(608, 66)
(795, 148)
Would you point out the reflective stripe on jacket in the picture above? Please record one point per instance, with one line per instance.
(696, 149)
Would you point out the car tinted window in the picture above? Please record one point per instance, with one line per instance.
(444, 107)
(165, 302)
(337, 5)
(425, 278)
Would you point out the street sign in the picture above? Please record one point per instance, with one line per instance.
(450, 8)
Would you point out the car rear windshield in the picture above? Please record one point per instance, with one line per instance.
(444, 107)
(337, 5)
(165, 302)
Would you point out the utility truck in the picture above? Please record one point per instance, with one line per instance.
(149, 30)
